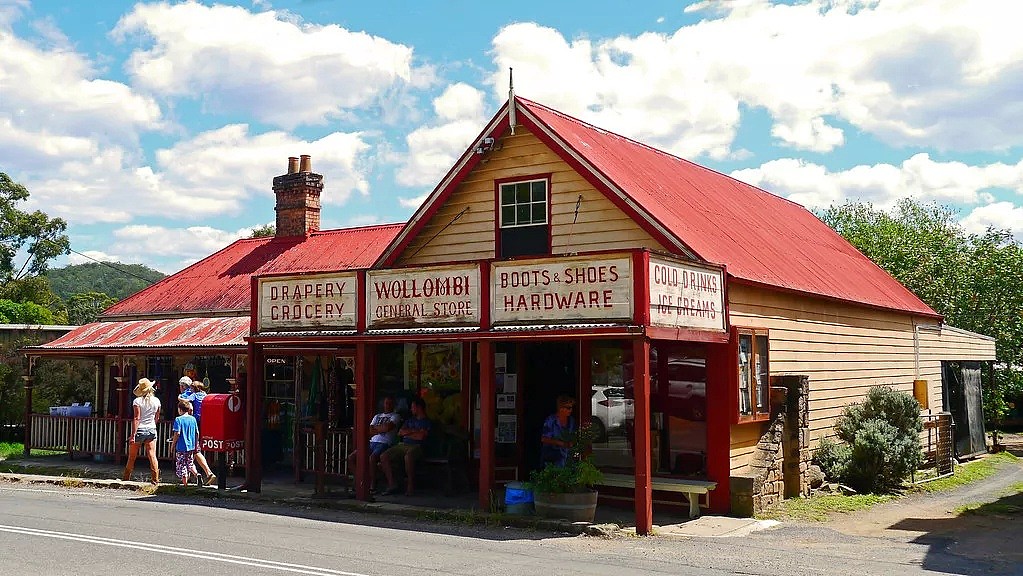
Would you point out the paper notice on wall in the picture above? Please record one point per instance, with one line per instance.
(506, 426)
(511, 383)
(500, 362)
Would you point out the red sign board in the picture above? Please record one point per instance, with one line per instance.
(223, 423)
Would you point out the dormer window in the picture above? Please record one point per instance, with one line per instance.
(523, 217)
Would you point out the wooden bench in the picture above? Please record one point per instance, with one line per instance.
(691, 488)
(446, 451)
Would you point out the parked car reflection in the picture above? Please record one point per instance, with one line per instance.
(609, 410)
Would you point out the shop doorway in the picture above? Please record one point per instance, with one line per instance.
(549, 369)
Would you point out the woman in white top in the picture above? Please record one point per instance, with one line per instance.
(146, 411)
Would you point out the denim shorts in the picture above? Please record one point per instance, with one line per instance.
(378, 448)
(142, 436)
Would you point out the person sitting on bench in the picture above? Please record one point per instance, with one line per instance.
(413, 435)
(384, 428)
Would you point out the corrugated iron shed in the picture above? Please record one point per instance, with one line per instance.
(222, 282)
(214, 333)
(761, 238)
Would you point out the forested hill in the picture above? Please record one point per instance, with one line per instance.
(95, 277)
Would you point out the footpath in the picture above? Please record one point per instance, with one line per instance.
(610, 522)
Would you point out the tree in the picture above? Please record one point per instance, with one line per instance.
(115, 279)
(32, 235)
(263, 231)
(974, 280)
(87, 306)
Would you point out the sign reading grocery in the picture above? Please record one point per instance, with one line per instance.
(309, 301)
(435, 296)
(686, 295)
(575, 289)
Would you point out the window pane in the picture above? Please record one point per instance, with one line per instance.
(539, 213)
(680, 406)
(762, 375)
(507, 194)
(507, 215)
(612, 405)
(522, 192)
(745, 356)
(539, 191)
(522, 214)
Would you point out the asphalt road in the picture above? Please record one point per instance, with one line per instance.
(52, 530)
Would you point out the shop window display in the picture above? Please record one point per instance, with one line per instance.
(678, 408)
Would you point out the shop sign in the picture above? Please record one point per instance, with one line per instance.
(308, 301)
(557, 290)
(412, 297)
(684, 295)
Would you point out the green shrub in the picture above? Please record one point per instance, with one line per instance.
(880, 442)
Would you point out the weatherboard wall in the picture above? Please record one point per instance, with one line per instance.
(600, 225)
(844, 349)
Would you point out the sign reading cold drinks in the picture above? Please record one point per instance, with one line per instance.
(309, 301)
(684, 295)
(410, 297)
(576, 289)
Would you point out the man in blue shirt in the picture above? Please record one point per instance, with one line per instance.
(413, 435)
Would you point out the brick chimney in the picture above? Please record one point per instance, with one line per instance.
(298, 198)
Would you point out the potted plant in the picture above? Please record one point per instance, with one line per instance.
(568, 491)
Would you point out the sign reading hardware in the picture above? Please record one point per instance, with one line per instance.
(410, 297)
(576, 289)
(686, 295)
(309, 301)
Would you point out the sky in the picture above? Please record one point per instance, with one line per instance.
(155, 128)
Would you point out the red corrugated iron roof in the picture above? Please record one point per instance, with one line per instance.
(166, 334)
(761, 238)
(222, 281)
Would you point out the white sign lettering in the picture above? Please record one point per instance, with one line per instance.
(686, 295)
(442, 295)
(211, 445)
(312, 301)
(562, 290)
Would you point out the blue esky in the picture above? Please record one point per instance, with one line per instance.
(155, 128)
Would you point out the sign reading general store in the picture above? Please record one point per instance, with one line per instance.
(308, 301)
(409, 297)
(574, 289)
(684, 295)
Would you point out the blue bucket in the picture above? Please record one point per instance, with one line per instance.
(518, 499)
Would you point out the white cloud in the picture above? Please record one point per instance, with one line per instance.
(267, 63)
(214, 173)
(943, 74)
(170, 249)
(432, 150)
(53, 105)
(90, 256)
(918, 177)
(1000, 215)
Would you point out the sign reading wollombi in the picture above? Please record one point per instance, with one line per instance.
(577, 289)
(686, 295)
(309, 301)
(435, 296)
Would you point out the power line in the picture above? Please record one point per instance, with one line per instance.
(109, 265)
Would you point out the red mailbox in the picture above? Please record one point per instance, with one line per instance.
(223, 423)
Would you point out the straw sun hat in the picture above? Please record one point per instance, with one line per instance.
(145, 386)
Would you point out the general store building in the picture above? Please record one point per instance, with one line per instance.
(708, 329)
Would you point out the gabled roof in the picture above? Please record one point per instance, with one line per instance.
(221, 282)
(761, 238)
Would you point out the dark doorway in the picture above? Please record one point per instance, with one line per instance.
(548, 370)
(961, 390)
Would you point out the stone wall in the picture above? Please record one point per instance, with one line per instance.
(780, 462)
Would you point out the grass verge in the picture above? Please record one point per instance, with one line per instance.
(968, 472)
(16, 449)
(821, 508)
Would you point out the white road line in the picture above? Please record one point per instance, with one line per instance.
(191, 553)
